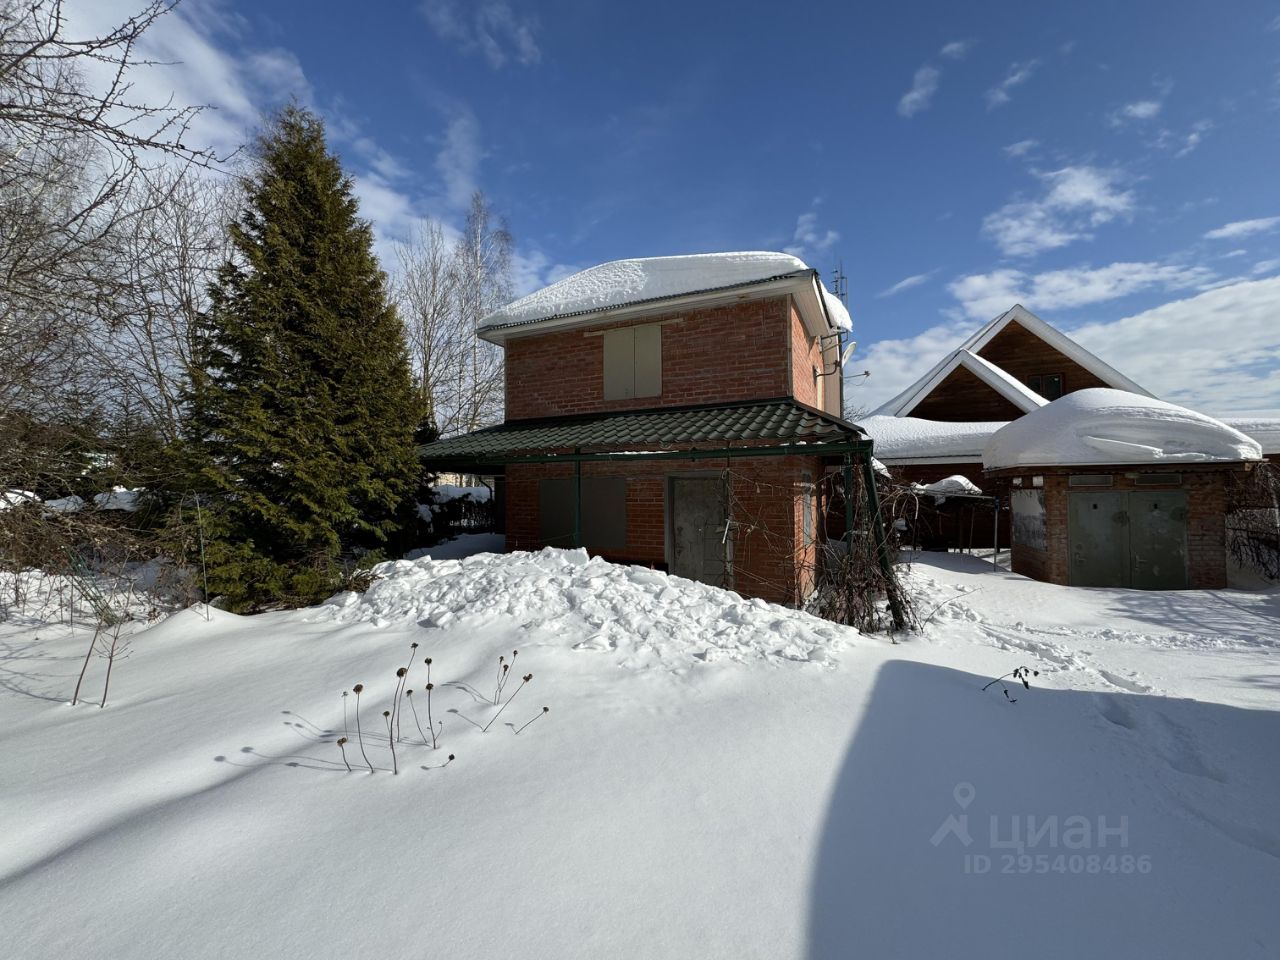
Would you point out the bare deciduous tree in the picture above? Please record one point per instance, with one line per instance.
(444, 291)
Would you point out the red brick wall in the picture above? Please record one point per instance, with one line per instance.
(732, 352)
(768, 560)
(806, 356)
(1206, 491)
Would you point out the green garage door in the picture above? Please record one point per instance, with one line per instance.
(1128, 539)
(1158, 540)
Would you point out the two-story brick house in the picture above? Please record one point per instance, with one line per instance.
(678, 412)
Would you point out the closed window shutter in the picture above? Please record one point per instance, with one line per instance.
(648, 362)
(619, 364)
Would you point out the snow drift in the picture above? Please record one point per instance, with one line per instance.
(628, 281)
(910, 437)
(1102, 426)
(588, 604)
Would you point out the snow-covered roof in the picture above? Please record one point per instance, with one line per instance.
(1103, 426)
(1266, 430)
(956, 485)
(623, 284)
(908, 399)
(911, 438)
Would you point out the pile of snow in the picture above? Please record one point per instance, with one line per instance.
(622, 282)
(118, 498)
(952, 486)
(591, 604)
(9, 499)
(911, 438)
(71, 504)
(1103, 426)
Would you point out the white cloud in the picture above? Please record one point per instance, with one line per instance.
(922, 90)
(956, 49)
(896, 364)
(1075, 200)
(1171, 351)
(1266, 266)
(1139, 110)
(1021, 148)
(809, 237)
(1019, 73)
(458, 161)
(490, 26)
(1243, 228)
(1193, 137)
(983, 296)
(906, 284)
(1164, 349)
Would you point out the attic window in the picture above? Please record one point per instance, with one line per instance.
(633, 362)
(1048, 385)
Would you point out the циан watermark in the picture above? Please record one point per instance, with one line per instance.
(1030, 844)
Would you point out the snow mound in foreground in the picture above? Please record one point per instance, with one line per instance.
(628, 281)
(1101, 426)
(568, 598)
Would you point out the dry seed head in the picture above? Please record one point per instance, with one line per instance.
(341, 741)
(401, 672)
(451, 756)
(386, 713)
(527, 677)
(427, 661)
(546, 709)
(414, 645)
(431, 686)
(358, 687)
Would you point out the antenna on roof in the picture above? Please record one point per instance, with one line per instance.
(840, 284)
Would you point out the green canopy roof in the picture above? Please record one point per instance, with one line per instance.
(758, 425)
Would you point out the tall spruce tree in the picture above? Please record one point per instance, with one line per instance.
(303, 413)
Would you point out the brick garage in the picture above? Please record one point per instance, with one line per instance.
(1205, 486)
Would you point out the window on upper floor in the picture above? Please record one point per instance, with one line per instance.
(633, 362)
(1048, 385)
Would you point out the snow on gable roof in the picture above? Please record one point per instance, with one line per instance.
(912, 439)
(624, 283)
(1009, 387)
(906, 401)
(1101, 426)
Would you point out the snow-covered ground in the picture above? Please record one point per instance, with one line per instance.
(715, 777)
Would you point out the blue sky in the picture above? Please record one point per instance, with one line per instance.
(1113, 166)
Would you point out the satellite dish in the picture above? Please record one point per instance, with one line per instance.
(848, 352)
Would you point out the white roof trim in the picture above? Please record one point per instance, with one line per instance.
(815, 309)
(1059, 341)
(1012, 389)
(907, 400)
